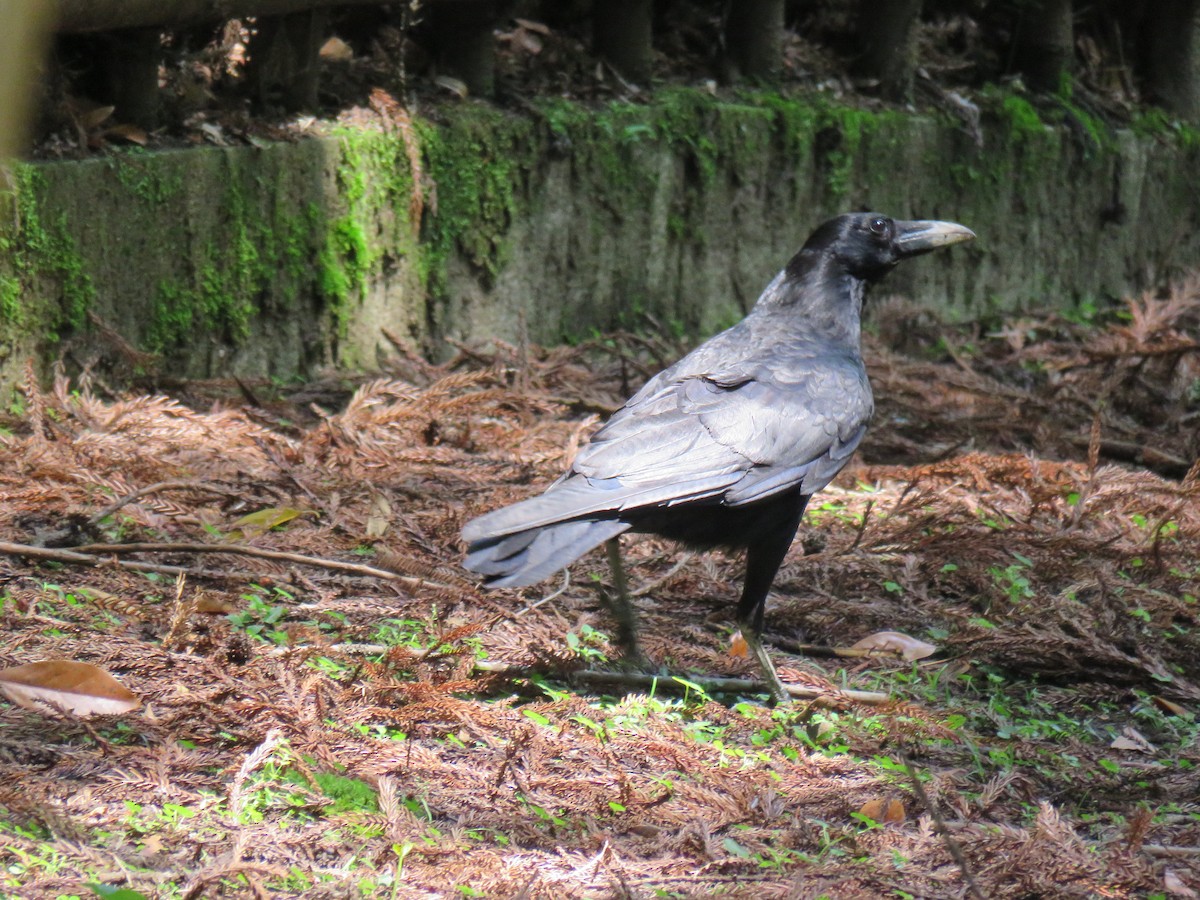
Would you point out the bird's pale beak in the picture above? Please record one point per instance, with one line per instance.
(922, 236)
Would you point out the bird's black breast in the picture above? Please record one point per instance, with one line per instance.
(705, 525)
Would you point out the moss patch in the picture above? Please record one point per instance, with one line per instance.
(43, 283)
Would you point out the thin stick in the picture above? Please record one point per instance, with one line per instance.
(153, 489)
(85, 559)
(282, 555)
(707, 683)
(1161, 850)
(646, 588)
(532, 606)
(939, 824)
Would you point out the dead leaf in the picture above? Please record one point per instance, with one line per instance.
(82, 688)
(214, 134)
(530, 25)
(93, 118)
(893, 643)
(1174, 885)
(1132, 739)
(738, 646)
(380, 517)
(885, 812)
(213, 605)
(336, 50)
(153, 844)
(453, 85)
(130, 133)
(527, 41)
(266, 519)
(1170, 707)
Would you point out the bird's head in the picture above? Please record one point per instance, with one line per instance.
(868, 245)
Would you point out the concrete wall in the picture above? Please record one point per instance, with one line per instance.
(282, 258)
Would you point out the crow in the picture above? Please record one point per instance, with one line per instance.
(724, 448)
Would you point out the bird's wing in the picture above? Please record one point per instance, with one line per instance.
(648, 454)
(740, 435)
(763, 428)
(798, 424)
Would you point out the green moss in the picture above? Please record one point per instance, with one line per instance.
(1021, 117)
(476, 161)
(369, 221)
(1154, 122)
(35, 252)
(12, 313)
(144, 177)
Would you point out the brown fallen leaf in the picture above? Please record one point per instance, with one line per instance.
(1132, 739)
(130, 133)
(885, 812)
(1174, 885)
(95, 117)
(82, 688)
(530, 25)
(1170, 707)
(893, 643)
(738, 646)
(336, 50)
(213, 605)
(379, 518)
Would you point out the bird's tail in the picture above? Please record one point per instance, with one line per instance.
(527, 557)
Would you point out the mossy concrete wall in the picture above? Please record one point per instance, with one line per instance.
(280, 259)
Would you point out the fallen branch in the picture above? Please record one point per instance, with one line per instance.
(665, 681)
(708, 684)
(153, 489)
(281, 555)
(74, 557)
(1163, 851)
(939, 825)
(1150, 457)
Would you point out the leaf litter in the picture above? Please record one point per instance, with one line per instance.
(1026, 507)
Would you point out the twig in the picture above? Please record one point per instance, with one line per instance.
(824, 650)
(1162, 850)
(706, 683)
(86, 559)
(1150, 457)
(152, 489)
(649, 586)
(532, 606)
(282, 555)
(939, 825)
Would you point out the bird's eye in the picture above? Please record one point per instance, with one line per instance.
(879, 225)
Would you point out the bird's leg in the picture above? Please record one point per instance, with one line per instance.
(762, 562)
(621, 607)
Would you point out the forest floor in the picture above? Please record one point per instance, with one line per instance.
(356, 718)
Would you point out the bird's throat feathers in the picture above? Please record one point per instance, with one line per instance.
(818, 295)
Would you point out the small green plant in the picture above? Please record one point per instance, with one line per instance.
(588, 643)
(260, 617)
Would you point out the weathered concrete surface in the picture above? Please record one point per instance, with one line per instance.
(281, 259)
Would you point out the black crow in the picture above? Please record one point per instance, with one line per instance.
(724, 448)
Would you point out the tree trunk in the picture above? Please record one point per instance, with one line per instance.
(465, 44)
(132, 57)
(22, 26)
(1044, 43)
(621, 32)
(106, 15)
(887, 44)
(1172, 61)
(285, 66)
(754, 39)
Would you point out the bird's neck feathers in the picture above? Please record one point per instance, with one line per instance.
(817, 294)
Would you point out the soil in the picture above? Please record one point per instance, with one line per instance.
(352, 716)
